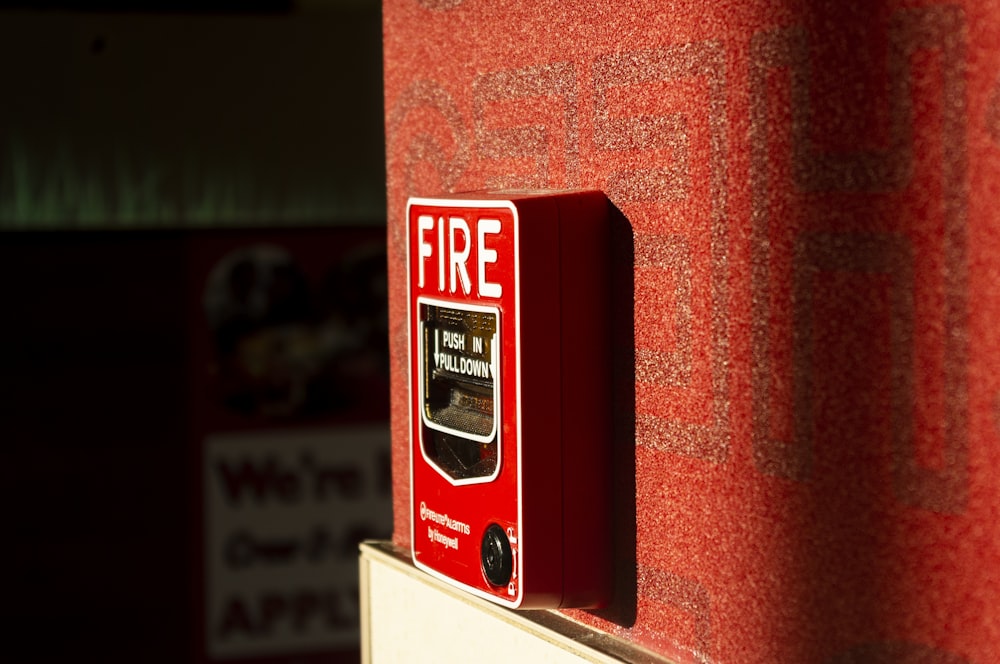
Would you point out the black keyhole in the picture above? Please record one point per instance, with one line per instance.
(496, 556)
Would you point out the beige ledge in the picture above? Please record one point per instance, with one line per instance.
(409, 617)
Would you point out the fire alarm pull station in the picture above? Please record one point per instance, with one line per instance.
(510, 395)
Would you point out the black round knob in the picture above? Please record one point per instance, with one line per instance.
(496, 556)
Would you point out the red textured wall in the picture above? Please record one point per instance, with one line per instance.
(813, 191)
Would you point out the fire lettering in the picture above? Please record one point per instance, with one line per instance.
(453, 248)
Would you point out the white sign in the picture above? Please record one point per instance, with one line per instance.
(283, 514)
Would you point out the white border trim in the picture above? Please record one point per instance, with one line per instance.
(469, 203)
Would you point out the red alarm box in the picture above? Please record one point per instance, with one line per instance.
(510, 394)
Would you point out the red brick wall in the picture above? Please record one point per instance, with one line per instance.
(812, 190)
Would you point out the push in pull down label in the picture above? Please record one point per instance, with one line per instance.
(460, 389)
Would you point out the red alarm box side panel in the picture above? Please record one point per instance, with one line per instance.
(566, 430)
(541, 501)
(587, 408)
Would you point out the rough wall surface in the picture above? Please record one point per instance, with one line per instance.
(812, 188)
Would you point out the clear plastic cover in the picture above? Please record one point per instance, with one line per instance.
(460, 409)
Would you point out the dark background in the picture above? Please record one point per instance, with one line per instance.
(172, 117)
(128, 131)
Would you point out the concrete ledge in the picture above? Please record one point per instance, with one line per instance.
(408, 616)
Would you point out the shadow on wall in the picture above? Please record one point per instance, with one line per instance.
(622, 610)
